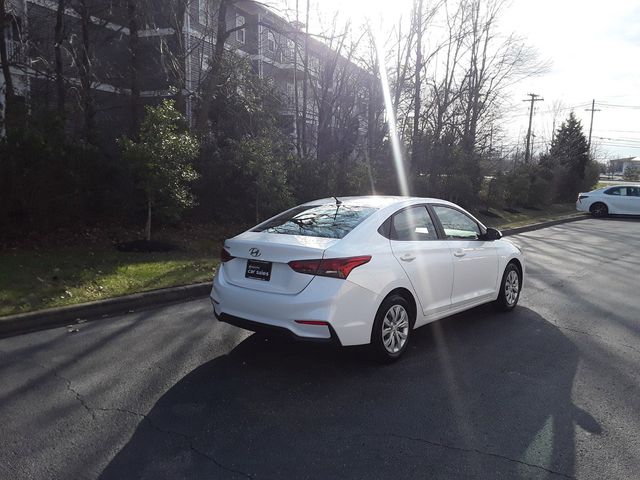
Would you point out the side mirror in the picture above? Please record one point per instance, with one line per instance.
(492, 234)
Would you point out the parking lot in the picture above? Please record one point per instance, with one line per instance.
(550, 390)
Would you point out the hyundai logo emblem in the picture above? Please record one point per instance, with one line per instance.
(254, 252)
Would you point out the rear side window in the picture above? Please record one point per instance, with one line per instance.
(456, 224)
(413, 224)
(328, 221)
(616, 191)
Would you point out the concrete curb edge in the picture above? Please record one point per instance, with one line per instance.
(537, 226)
(12, 325)
(55, 317)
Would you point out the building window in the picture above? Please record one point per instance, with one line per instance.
(271, 42)
(240, 33)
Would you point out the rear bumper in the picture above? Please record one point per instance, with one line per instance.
(583, 206)
(273, 330)
(347, 308)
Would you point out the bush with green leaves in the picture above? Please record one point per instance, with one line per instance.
(162, 160)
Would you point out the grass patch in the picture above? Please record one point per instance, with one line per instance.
(76, 268)
(512, 218)
(82, 267)
(42, 279)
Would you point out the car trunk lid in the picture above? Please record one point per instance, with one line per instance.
(261, 260)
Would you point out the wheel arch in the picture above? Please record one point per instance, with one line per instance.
(599, 201)
(408, 296)
(517, 263)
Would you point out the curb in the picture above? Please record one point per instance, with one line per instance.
(537, 226)
(56, 317)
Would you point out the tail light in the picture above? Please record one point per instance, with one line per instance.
(225, 256)
(329, 267)
(582, 197)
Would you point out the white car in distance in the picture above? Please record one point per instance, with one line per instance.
(612, 200)
(364, 270)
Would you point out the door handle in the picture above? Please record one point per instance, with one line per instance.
(459, 253)
(407, 257)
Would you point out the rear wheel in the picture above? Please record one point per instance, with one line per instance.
(509, 288)
(391, 328)
(599, 209)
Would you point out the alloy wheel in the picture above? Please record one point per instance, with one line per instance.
(511, 287)
(395, 328)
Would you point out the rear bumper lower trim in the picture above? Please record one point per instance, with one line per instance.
(273, 330)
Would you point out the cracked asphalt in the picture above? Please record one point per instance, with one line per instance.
(550, 390)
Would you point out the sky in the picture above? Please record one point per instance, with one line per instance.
(593, 48)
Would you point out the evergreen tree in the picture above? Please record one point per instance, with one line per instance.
(570, 156)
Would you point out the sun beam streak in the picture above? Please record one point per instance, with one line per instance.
(391, 118)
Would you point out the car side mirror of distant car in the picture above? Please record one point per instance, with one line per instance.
(491, 234)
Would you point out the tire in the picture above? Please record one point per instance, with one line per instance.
(392, 328)
(599, 209)
(510, 288)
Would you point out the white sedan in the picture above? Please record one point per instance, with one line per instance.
(618, 200)
(364, 270)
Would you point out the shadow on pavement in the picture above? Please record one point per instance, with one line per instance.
(479, 395)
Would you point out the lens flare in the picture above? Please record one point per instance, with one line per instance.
(391, 117)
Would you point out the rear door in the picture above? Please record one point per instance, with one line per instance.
(475, 261)
(424, 257)
(633, 194)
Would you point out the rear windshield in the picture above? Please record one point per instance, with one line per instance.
(328, 221)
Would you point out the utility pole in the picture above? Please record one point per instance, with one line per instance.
(534, 98)
(593, 109)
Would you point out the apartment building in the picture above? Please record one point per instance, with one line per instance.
(175, 41)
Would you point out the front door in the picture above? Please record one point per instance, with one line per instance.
(475, 261)
(424, 257)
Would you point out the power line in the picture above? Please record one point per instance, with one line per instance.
(617, 105)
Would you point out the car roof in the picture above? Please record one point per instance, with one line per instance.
(379, 201)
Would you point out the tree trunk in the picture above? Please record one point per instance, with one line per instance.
(9, 102)
(59, 66)
(85, 75)
(147, 228)
(416, 95)
(295, 87)
(133, 67)
(211, 82)
(305, 80)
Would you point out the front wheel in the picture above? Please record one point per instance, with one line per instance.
(509, 288)
(391, 328)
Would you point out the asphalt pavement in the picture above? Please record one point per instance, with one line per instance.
(550, 390)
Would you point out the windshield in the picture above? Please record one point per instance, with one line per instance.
(328, 221)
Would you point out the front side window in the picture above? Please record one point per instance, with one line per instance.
(413, 224)
(456, 224)
(328, 221)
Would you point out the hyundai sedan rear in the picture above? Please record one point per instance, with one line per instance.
(364, 270)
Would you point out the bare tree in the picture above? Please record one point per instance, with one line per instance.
(133, 12)
(59, 38)
(10, 106)
(223, 32)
